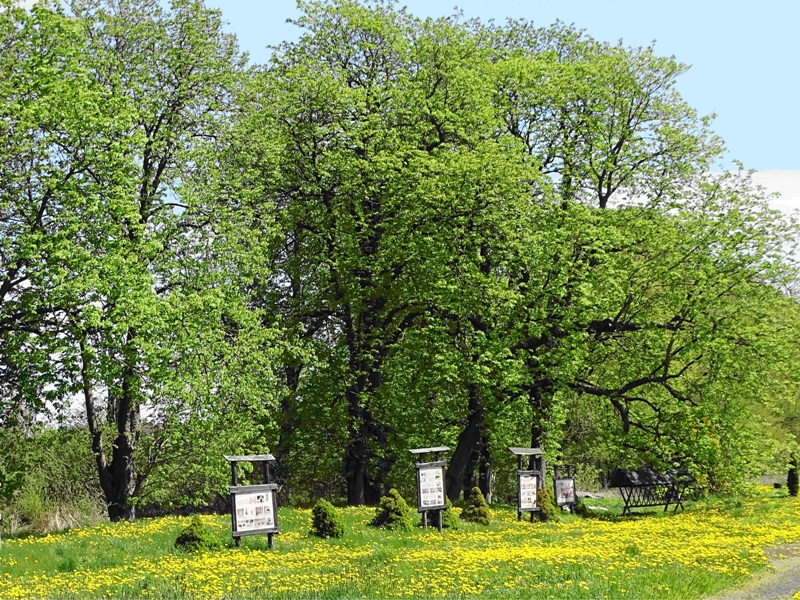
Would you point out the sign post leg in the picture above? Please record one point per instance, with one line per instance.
(234, 482)
(440, 520)
(271, 541)
(425, 519)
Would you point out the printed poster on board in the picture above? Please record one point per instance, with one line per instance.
(431, 487)
(255, 511)
(565, 491)
(528, 485)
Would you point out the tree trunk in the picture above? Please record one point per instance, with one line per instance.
(118, 480)
(361, 489)
(792, 478)
(124, 481)
(355, 471)
(366, 360)
(539, 395)
(536, 433)
(458, 469)
(377, 486)
(91, 418)
(287, 426)
(469, 480)
(485, 470)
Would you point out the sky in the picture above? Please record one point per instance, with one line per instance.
(743, 56)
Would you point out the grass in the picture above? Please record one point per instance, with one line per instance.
(711, 546)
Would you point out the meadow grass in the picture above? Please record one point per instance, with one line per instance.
(711, 546)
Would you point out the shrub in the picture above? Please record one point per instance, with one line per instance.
(449, 517)
(196, 536)
(547, 503)
(392, 513)
(42, 490)
(581, 509)
(476, 510)
(32, 505)
(327, 522)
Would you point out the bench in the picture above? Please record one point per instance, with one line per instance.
(645, 487)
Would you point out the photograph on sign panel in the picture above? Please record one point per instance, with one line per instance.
(528, 485)
(565, 491)
(254, 511)
(431, 487)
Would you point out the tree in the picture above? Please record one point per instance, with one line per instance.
(638, 221)
(490, 218)
(397, 231)
(382, 163)
(121, 274)
(49, 123)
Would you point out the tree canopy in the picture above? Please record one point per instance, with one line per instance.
(398, 232)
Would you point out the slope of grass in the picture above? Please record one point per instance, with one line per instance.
(711, 546)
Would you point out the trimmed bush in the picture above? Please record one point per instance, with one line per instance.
(327, 522)
(550, 511)
(476, 510)
(196, 536)
(392, 513)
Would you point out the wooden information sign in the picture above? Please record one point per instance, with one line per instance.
(529, 480)
(254, 508)
(431, 493)
(564, 486)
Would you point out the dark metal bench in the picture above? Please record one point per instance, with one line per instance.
(645, 487)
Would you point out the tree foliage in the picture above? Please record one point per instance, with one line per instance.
(100, 279)
(397, 230)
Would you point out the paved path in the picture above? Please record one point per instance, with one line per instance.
(783, 581)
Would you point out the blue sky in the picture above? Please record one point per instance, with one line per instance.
(744, 55)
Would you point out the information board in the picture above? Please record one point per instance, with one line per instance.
(528, 487)
(565, 491)
(430, 481)
(255, 510)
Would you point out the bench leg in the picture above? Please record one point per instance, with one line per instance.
(626, 510)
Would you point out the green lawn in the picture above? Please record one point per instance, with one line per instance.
(711, 546)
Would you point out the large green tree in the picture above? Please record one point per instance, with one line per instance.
(399, 232)
(383, 169)
(121, 299)
(477, 221)
(649, 255)
(56, 149)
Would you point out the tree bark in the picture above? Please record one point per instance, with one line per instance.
(118, 480)
(458, 469)
(792, 477)
(364, 468)
(485, 469)
(361, 488)
(355, 457)
(539, 395)
(91, 418)
(287, 426)
(124, 480)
